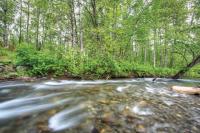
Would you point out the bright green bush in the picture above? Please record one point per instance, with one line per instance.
(101, 66)
(40, 63)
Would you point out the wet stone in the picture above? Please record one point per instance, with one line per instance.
(127, 111)
(95, 130)
(104, 101)
(195, 128)
(108, 118)
(106, 130)
(142, 104)
(52, 112)
(1, 69)
(42, 127)
(140, 128)
(179, 115)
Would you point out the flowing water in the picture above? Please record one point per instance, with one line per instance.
(102, 106)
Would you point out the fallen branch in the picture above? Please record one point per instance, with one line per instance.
(185, 69)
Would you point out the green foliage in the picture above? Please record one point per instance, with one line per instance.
(104, 39)
(99, 66)
(58, 62)
(6, 55)
(3, 52)
(41, 63)
(102, 65)
(194, 72)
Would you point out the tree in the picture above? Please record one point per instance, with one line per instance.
(6, 19)
(152, 33)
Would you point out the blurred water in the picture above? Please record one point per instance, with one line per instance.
(127, 106)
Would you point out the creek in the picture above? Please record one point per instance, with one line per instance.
(99, 106)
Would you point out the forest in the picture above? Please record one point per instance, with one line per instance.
(94, 39)
(99, 66)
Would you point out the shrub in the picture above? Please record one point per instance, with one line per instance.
(40, 63)
(101, 66)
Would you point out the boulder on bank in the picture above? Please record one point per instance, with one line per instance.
(1, 69)
(6, 67)
(186, 90)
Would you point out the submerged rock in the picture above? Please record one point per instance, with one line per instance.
(1, 69)
(106, 129)
(186, 90)
(104, 101)
(140, 128)
(42, 127)
(108, 118)
(127, 111)
(95, 130)
(142, 104)
(21, 68)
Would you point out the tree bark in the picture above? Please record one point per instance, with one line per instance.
(72, 29)
(95, 17)
(185, 69)
(145, 54)
(165, 49)
(80, 26)
(5, 24)
(172, 54)
(27, 22)
(154, 49)
(20, 23)
(74, 20)
(37, 29)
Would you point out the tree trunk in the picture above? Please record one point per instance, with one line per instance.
(20, 23)
(165, 50)
(5, 25)
(172, 54)
(185, 69)
(161, 48)
(80, 26)
(145, 54)
(72, 29)
(75, 25)
(27, 22)
(72, 23)
(37, 29)
(5, 34)
(165, 56)
(95, 17)
(154, 50)
(44, 30)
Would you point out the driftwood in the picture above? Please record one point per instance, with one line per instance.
(186, 90)
(185, 69)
